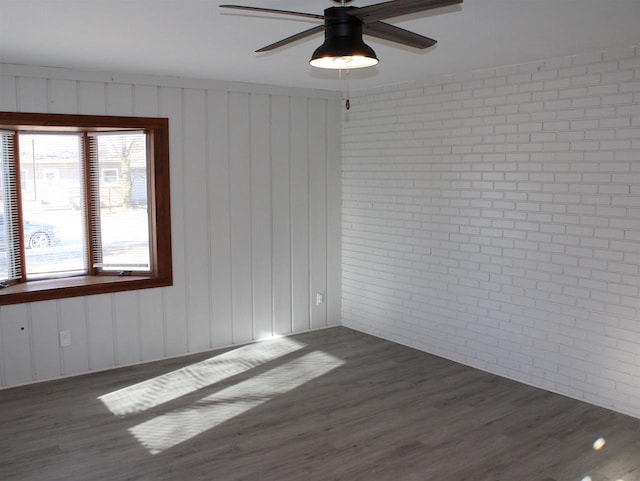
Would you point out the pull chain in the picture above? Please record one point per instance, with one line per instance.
(347, 104)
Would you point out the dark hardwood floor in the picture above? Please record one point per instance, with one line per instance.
(327, 405)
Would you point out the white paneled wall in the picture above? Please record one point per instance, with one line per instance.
(493, 218)
(255, 199)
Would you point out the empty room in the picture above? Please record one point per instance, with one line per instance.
(331, 240)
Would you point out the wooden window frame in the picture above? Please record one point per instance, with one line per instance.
(161, 274)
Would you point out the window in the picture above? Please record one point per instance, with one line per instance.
(84, 205)
(110, 176)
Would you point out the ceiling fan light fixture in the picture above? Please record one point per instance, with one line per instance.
(343, 47)
(337, 59)
(344, 62)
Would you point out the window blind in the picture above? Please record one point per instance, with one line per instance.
(11, 262)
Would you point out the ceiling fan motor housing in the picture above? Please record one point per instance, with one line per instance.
(342, 36)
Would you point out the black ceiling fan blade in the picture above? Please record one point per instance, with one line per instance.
(272, 10)
(395, 8)
(399, 35)
(293, 38)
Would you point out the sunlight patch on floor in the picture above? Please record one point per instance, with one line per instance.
(161, 389)
(174, 427)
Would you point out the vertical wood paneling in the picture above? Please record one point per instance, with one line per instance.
(45, 340)
(127, 329)
(16, 351)
(119, 99)
(151, 324)
(261, 216)
(63, 96)
(220, 240)
(75, 358)
(300, 214)
(242, 165)
(100, 332)
(334, 219)
(145, 100)
(176, 331)
(280, 177)
(92, 98)
(8, 93)
(240, 196)
(318, 209)
(196, 214)
(32, 94)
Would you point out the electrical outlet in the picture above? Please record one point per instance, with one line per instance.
(319, 298)
(65, 338)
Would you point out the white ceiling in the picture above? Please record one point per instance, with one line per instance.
(196, 39)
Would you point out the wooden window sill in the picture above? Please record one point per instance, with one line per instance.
(33, 291)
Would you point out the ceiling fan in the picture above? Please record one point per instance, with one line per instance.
(344, 25)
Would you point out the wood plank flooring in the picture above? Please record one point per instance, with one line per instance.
(328, 405)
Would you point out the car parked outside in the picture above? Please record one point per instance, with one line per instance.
(37, 235)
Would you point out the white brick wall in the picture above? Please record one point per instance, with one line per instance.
(493, 218)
